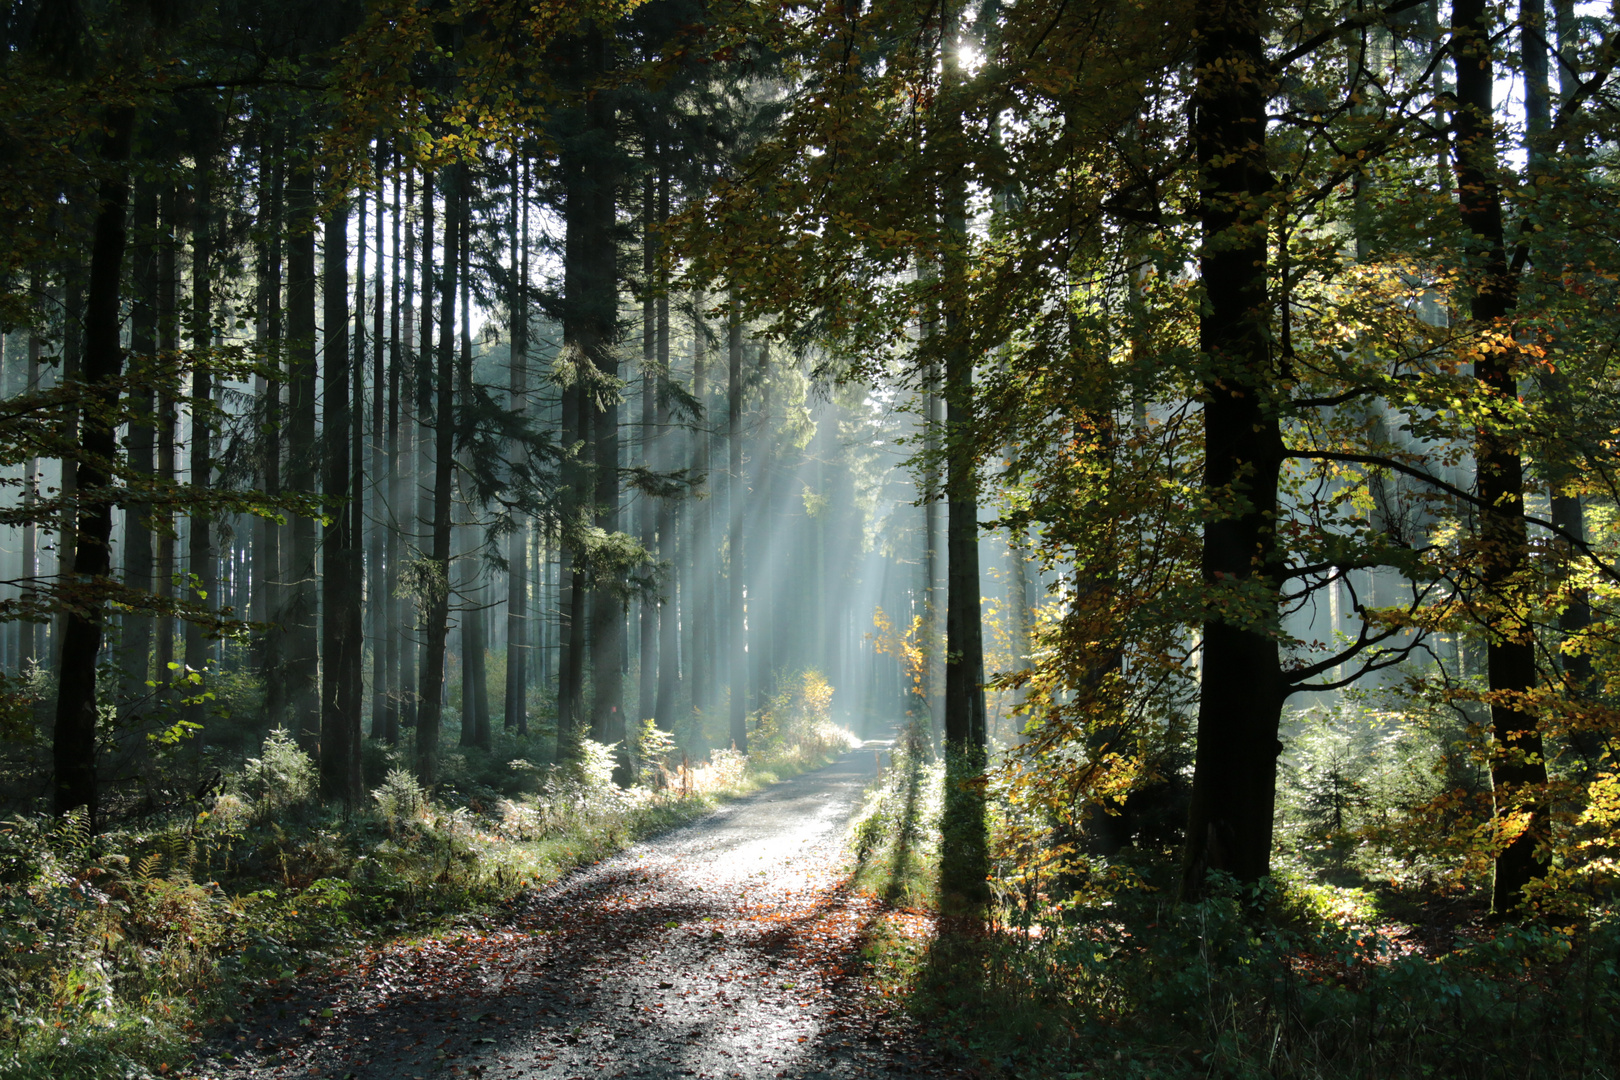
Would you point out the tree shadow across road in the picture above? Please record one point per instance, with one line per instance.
(729, 948)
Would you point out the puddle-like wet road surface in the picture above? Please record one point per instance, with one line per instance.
(722, 949)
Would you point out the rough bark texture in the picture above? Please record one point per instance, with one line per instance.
(1241, 693)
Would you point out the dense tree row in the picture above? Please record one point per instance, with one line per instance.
(573, 338)
(342, 417)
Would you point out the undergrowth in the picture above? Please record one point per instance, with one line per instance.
(1102, 974)
(117, 948)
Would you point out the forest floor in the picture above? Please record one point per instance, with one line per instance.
(731, 947)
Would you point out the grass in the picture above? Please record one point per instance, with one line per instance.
(1303, 978)
(117, 949)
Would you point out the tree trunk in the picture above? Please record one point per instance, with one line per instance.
(590, 319)
(701, 567)
(650, 431)
(735, 614)
(397, 657)
(136, 647)
(168, 344)
(1518, 771)
(302, 655)
(963, 858)
(1241, 692)
(74, 745)
(518, 623)
(415, 504)
(444, 446)
(933, 602)
(571, 578)
(475, 724)
(200, 548)
(382, 633)
(340, 570)
(669, 658)
(268, 577)
(28, 648)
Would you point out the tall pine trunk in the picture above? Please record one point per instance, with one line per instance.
(377, 611)
(341, 628)
(74, 740)
(518, 623)
(302, 656)
(200, 548)
(430, 711)
(702, 566)
(475, 722)
(397, 657)
(136, 647)
(167, 421)
(267, 549)
(648, 696)
(735, 492)
(669, 658)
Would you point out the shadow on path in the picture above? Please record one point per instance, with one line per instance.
(726, 948)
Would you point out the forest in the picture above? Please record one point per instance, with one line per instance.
(997, 538)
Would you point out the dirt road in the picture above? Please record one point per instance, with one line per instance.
(722, 949)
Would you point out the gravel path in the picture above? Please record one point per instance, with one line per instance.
(726, 948)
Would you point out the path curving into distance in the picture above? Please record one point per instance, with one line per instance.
(722, 949)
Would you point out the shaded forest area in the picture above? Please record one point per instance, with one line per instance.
(446, 441)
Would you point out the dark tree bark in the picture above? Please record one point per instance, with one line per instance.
(381, 632)
(1241, 694)
(136, 646)
(475, 721)
(341, 627)
(28, 645)
(200, 547)
(571, 617)
(518, 623)
(963, 859)
(167, 420)
(1518, 771)
(416, 504)
(302, 655)
(648, 695)
(443, 423)
(669, 658)
(74, 746)
(396, 657)
(268, 554)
